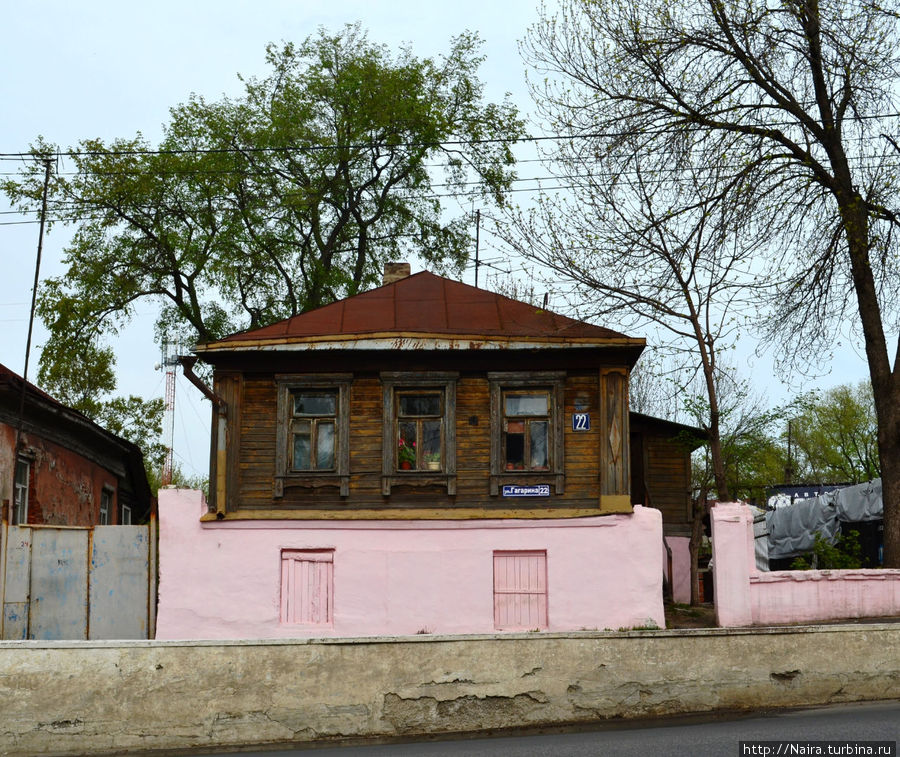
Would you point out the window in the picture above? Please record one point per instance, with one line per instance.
(520, 590)
(124, 515)
(313, 432)
(314, 414)
(20, 494)
(105, 506)
(526, 428)
(307, 587)
(419, 426)
(419, 438)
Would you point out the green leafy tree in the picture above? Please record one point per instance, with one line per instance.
(180, 480)
(835, 437)
(294, 194)
(82, 378)
(791, 99)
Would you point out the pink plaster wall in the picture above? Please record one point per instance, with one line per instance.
(746, 596)
(222, 580)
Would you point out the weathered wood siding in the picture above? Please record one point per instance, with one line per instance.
(667, 475)
(252, 433)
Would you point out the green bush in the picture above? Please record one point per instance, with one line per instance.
(844, 554)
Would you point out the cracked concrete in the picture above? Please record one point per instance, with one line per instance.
(67, 698)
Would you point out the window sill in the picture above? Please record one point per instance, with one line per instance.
(418, 478)
(312, 480)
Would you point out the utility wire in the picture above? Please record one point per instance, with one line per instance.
(366, 145)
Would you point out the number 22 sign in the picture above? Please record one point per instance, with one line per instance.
(581, 421)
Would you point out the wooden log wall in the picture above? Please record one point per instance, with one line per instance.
(253, 421)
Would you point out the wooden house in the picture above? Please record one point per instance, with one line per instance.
(480, 444)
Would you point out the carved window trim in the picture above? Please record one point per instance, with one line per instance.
(554, 383)
(394, 382)
(339, 476)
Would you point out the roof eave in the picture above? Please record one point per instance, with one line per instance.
(412, 341)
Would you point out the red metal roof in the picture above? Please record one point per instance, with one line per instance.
(426, 304)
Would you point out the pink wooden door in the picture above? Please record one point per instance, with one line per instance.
(520, 590)
(307, 587)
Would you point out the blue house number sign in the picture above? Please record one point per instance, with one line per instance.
(536, 490)
(581, 421)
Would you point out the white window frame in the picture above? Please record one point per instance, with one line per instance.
(106, 506)
(21, 492)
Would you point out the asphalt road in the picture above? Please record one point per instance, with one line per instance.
(852, 728)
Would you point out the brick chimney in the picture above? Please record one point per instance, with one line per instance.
(394, 272)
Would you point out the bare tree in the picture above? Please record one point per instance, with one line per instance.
(790, 99)
(653, 387)
(640, 249)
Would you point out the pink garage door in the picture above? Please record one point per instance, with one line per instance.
(307, 587)
(520, 590)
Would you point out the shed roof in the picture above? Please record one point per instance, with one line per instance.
(421, 307)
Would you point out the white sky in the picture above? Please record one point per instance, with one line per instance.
(110, 69)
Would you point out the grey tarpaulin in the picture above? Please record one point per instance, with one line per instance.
(861, 502)
(793, 529)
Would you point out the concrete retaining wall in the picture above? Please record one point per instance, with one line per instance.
(68, 698)
(746, 596)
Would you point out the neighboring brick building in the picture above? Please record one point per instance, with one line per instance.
(69, 471)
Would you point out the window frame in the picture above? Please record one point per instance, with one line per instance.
(553, 382)
(287, 385)
(19, 510)
(418, 420)
(527, 420)
(106, 506)
(395, 384)
(314, 421)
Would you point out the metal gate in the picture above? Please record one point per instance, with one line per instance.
(60, 582)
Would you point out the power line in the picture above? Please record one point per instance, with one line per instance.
(527, 138)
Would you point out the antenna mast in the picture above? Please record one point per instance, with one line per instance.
(168, 363)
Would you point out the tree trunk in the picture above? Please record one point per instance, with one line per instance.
(889, 453)
(699, 510)
(885, 382)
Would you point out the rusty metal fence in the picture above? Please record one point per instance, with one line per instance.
(69, 583)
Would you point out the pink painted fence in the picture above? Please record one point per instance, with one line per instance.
(745, 596)
(277, 579)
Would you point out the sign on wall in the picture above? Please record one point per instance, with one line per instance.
(536, 490)
(581, 421)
